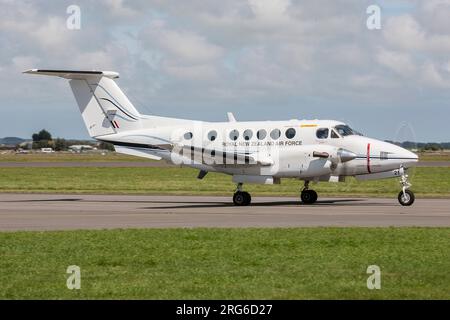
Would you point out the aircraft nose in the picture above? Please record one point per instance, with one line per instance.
(406, 157)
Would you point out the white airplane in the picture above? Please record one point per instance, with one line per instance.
(250, 151)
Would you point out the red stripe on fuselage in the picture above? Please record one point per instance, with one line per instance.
(368, 158)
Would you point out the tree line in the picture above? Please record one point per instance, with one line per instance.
(44, 139)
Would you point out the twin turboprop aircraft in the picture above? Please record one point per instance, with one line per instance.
(251, 152)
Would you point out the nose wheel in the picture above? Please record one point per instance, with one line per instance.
(405, 197)
(241, 198)
(308, 196)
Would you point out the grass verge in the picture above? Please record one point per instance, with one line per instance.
(69, 157)
(427, 182)
(298, 263)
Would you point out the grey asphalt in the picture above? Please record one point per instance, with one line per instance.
(139, 164)
(68, 212)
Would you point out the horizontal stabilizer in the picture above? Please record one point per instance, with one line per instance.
(73, 74)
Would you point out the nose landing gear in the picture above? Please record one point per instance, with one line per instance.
(241, 198)
(308, 196)
(405, 197)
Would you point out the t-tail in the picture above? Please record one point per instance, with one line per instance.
(104, 107)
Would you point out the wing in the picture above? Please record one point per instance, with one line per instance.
(220, 156)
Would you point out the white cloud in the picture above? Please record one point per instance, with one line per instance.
(404, 32)
(432, 77)
(214, 55)
(401, 63)
(269, 10)
(180, 44)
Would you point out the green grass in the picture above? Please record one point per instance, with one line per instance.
(435, 156)
(427, 182)
(301, 263)
(68, 157)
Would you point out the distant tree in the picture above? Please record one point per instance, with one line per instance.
(432, 146)
(61, 144)
(42, 144)
(409, 145)
(42, 135)
(106, 146)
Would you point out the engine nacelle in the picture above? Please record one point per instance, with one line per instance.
(312, 160)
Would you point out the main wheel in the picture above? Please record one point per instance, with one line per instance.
(242, 198)
(248, 198)
(407, 198)
(308, 196)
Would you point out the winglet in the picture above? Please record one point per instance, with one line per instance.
(231, 117)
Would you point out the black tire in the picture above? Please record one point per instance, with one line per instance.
(308, 196)
(315, 196)
(248, 198)
(241, 198)
(407, 199)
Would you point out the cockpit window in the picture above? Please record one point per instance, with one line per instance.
(322, 133)
(345, 130)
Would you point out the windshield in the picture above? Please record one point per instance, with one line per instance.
(345, 130)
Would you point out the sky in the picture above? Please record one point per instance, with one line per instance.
(260, 59)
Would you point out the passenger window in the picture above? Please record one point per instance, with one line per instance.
(261, 134)
(248, 134)
(334, 135)
(188, 136)
(275, 134)
(212, 135)
(290, 133)
(234, 135)
(322, 133)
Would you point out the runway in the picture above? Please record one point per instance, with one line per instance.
(68, 212)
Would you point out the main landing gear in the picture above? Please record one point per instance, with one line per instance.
(308, 196)
(241, 198)
(405, 197)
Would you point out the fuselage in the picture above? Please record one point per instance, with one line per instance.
(289, 147)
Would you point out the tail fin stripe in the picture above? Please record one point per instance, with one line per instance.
(106, 91)
(126, 113)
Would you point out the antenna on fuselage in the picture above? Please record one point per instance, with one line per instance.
(231, 117)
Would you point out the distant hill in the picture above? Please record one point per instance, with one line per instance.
(11, 140)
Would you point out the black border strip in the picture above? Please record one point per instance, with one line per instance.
(71, 71)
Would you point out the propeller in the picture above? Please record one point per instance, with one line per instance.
(341, 155)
